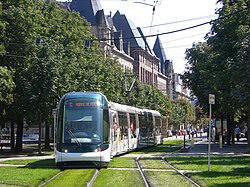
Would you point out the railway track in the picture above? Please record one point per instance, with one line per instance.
(143, 175)
(146, 179)
(181, 173)
(90, 183)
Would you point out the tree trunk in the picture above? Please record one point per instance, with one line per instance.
(248, 131)
(19, 136)
(47, 137)
(228, 129)
(12, 136)
(232, 129)
(40, 135)
(222, 125)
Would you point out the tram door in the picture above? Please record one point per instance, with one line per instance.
(113, 132)
(123, 141)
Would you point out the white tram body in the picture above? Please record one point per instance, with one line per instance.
(90, 130)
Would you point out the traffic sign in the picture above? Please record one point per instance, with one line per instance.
(211, 99)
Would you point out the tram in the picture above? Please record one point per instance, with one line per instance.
(90, 130)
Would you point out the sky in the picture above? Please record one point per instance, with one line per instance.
(169, 15)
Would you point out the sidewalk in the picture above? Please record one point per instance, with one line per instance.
(239, 148)
(201, 144)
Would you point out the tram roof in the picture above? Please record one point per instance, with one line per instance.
(154, 112)
(89, 95)
(124, 108)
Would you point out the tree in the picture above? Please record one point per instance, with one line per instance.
(59, 60)
(6, 75)
(43, 71)
(227, 51)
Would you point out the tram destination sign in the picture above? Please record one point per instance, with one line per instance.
(80, 104)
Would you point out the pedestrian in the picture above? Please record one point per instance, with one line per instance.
(237, 132)
(213, 134)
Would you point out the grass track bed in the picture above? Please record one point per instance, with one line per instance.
(153, 163)
(72, 177)
(166, 179)
(121, 178)
(122, 162)
(166, 147)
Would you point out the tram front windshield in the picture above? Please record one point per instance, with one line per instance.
(82, 122)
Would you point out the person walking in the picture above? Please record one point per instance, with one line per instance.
(237, 132)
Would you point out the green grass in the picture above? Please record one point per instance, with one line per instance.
(122, 162)
(32, 162)
(72, 177)
(224, 171)
(121, 178)
(34, 172)
(166, 147)
(166, 179)
(24, 176)
(153, 163)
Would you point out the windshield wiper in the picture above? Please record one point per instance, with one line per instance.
(74, 137)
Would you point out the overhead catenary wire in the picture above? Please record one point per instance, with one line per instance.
(183, 29)
(179, 21)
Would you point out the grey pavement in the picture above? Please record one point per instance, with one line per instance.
(201, 144)
(239, 148)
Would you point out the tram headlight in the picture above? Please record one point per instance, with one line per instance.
(99, 149)
(65, 150)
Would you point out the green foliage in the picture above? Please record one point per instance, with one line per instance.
(45, 55)
(6, 75)
(146, 96)
(6, 86)
(182, 112)
(2, 30)
(221, 65)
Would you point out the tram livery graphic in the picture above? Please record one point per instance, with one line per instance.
(90, 130)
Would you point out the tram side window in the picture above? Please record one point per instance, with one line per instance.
(158, 125)
(106, 126)
(150, 125)
(59, 127)
(114, 125)
(132, 125)
(123, 124)
(142, 126)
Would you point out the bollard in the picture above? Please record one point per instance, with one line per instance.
(220, 139)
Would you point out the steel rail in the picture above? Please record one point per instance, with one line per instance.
(46, 182)
(90, 183)
(182, 174)
(147, 184)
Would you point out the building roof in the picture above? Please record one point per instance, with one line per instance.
(166, 65)
(158, 50)
(130, 32)
(86, 8)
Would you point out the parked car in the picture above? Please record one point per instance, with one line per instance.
(34, 136)
(25, 137)
(174, 132)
